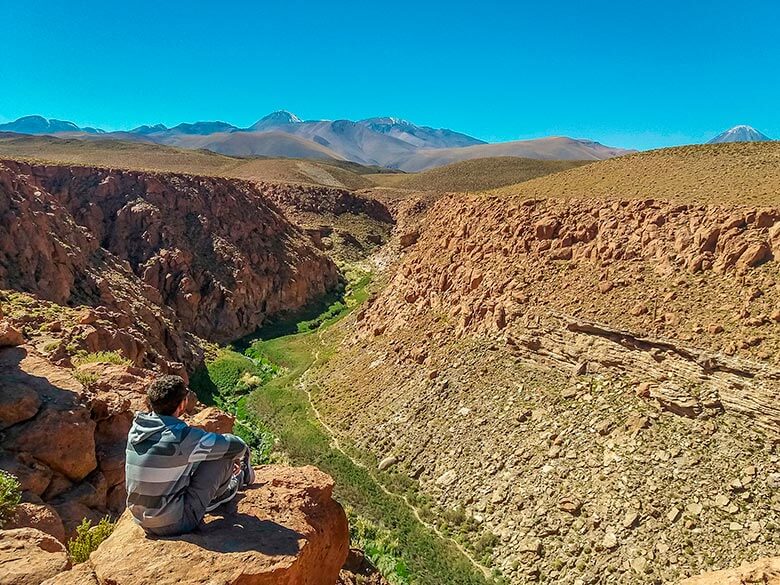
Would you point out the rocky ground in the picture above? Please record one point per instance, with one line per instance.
(568, 479)
(286, 528)
(64, 422)
(584, 387)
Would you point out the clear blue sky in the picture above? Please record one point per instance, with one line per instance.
(627, 73)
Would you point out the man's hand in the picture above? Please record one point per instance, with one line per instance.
(192, 401)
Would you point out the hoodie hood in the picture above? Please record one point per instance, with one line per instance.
(146, 425)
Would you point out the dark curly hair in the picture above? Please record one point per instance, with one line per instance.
(166, 393)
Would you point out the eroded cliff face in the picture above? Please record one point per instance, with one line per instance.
(578, 379)
(348, 226)
(213, 257)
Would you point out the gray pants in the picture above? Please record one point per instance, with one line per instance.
(209, 480)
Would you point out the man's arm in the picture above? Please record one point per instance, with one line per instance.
(212, 446)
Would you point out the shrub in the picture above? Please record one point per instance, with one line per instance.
(88, 538)
(86, 378)
(51, 346)
(485, 543)
(455, 516)
(101, 357)
(230, 376)
(381, 547)
(10, 496)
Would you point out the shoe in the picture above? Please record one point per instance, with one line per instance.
(247, 471)
(224, 497)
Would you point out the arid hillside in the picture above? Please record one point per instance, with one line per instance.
(584, 379)
(551, 148)
(744, 173)
(475, 175)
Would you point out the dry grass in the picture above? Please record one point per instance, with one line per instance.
(477, 174)
(741, 173)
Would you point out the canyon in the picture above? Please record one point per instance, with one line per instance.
(570, 386)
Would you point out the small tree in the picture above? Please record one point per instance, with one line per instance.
(88, 538)
(10, 496)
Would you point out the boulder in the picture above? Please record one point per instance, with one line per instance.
(73, 512)
(39, 516)
(9, 335)
(213, 420)
(81, 574)
(18, 402)
(285, 529)
(29, 556)
(62, 439)
(546, 228)
(754, 255)
(765, 571)
(409, 238)
(33, 475)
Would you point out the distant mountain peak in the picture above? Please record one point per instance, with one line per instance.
(740, 133)
(281, 117)
(147, 129)
(386, 120)
(418, 136)
(203, 128)
(40, 125)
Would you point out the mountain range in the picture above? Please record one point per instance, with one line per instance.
(383, 141)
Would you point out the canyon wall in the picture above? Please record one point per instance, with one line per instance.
(216, 252)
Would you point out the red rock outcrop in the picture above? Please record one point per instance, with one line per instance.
(215, 251)
(213, 420)
(39, 516)
(284, 529)
(29, 556)
(68, 452)
(325, 200)
(484, 261)
(66, 441)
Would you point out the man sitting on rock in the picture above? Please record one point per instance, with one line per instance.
(176, 473)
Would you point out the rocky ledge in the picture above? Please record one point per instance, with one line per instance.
(286, 528)
(766, 571)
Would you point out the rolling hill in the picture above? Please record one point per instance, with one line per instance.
(155, 157)
(553, 148)
(475, 174)
(300, 166)
(742, 172)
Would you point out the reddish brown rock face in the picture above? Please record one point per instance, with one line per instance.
(69, 449)
(284, 529)
(212, 255)
(39, 516)
(486, 261)
(29, 556)
(212, 420)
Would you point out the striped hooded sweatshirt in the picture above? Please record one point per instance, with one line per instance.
(162, 453)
